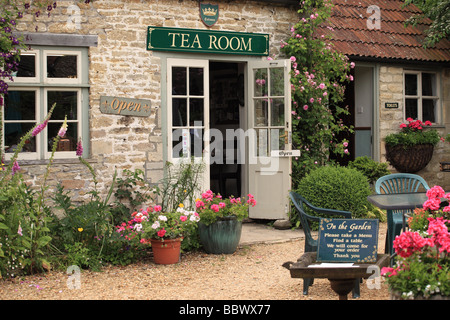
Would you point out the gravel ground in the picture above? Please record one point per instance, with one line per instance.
(253, 272)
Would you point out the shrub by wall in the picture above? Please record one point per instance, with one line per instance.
(337, 188)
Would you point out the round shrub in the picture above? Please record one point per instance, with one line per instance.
(337, 188)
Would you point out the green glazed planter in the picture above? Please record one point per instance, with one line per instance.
(221, 237)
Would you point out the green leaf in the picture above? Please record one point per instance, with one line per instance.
(43, 241)
(3, 226)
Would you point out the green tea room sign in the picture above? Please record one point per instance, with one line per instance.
(207, 41)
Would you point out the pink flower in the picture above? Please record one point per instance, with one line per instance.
(345, 144)
(311, 100)
(322, 86)
(63, 130)
(215, 208)
(435, 192)
(222, 204)
(403, 125)
(183, 218)
(432, 204)
(199, 204)
(305, 107)
(15, 168)
(161, 233)
(293, 59)
(39, 128)
(79, 151)
(157, 208)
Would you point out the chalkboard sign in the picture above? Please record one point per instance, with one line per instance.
(348, 240)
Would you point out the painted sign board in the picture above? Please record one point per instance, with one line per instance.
(391, 105)
(125, 106)
(209, 13)
(348, 240)
(207, 41)
(285, 153)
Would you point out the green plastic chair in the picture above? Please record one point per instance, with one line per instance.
(397, 183)
(311, 244)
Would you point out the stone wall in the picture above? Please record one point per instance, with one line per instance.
(391, 90)
(121, 66)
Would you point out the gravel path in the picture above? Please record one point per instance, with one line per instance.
(253, 272)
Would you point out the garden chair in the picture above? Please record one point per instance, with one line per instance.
(397, 183)
(311, 244)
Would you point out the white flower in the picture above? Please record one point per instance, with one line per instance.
(137, 227)
(155, 225)
(162, 218)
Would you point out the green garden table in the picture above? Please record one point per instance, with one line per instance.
(398, 201)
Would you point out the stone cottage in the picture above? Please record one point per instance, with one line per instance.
(142, 81)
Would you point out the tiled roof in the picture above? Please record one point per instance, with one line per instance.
(352, 36)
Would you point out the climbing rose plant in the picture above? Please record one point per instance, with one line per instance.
(318, 78)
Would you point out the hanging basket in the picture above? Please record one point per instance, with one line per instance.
(409, 159)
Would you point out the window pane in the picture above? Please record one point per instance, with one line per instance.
(277, 112)
(429, 84)
(196, 81)
(20, 105)
(179, 112)
(13, 134)
(68, 142)
(261, 112)
(66, 104)
(411, 108)
(179, 81)
(180, 143)
(277, 139)
(197, 143)
(62, 66)
(276, 81)
(429, 110)
(27, 66)
(411, 84)
(195, 112)
(262, 143)
(260, 83)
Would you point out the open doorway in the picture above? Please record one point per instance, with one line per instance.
(226, 80)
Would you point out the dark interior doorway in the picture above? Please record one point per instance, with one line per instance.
(225, 113)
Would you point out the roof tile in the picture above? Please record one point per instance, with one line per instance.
(352, 36)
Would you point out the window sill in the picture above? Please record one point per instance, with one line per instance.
(24, 162)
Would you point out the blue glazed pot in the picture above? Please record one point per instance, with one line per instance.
(221, 237)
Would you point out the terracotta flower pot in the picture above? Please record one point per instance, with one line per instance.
(166, 251)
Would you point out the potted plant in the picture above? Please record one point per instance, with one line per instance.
(411, 149)
(164, 231)
(423, 268)
(220, 224)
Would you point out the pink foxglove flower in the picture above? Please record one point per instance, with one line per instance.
(63, 130)
(79, 151)
(39, 128)
(15, 167)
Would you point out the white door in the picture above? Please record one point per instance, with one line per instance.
(269, 115)
(188, 113)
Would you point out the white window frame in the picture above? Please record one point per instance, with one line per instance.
(76, 80)
(41, 84)
(62, 154)
(419, 95)
(37, 67)
(25, 155)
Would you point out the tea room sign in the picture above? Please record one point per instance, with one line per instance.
(207, 41)
(348, 240)
(125, 106)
